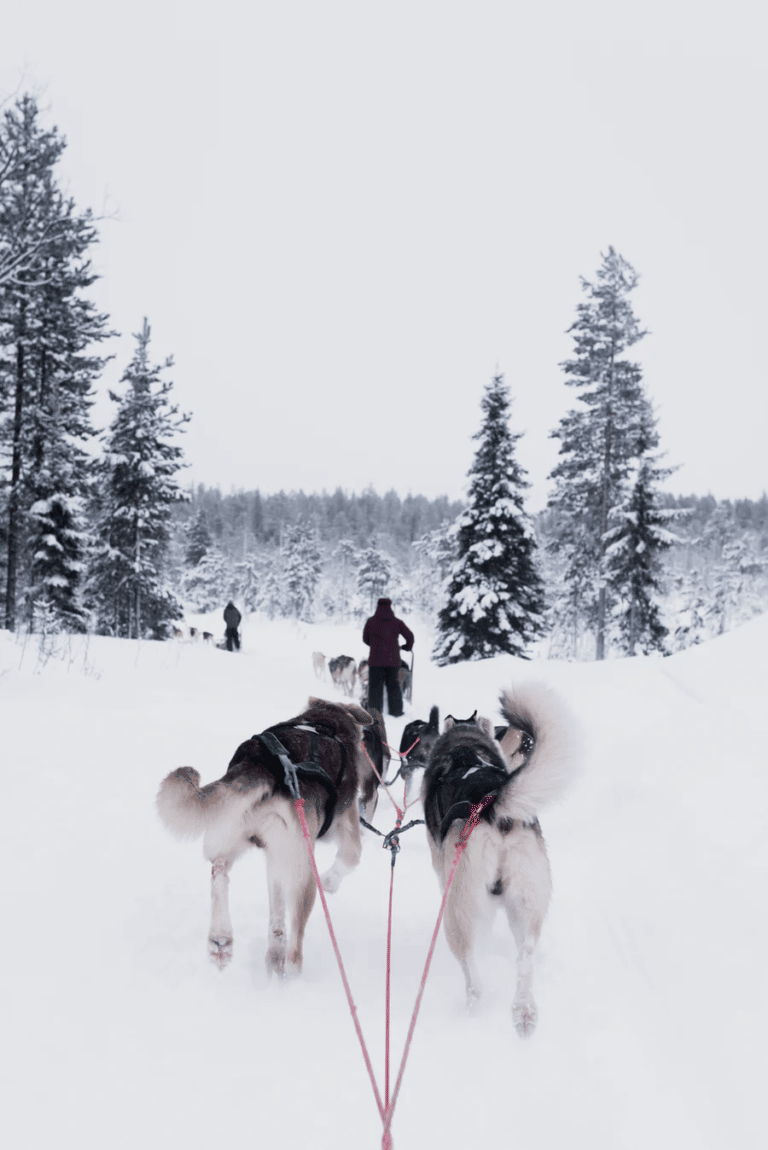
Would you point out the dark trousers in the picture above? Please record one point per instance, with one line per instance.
(377, 677)
(232, 637)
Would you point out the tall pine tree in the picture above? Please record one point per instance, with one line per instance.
(638, 536)
(47, 371)
(137, 490)
(600, 439)
(495, 595)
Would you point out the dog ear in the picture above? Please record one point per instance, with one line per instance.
(485, 725)
(449, 723)
(434, 719)
(358, 714)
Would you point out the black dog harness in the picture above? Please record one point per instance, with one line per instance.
(310, 771)
(470, 781)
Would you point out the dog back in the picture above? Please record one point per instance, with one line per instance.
(326, 735)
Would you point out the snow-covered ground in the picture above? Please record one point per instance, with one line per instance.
(650, 976)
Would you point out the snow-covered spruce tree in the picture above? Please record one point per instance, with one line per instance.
(302, 564)
(635, 541)
(734, 595)
(494, 593)
(598, 440)
(60, 541)
(245, 584)
(198, 539)
(270, 597)
(137, 488)
(46, 371)
(691, 613)
(60, 471)
(206, 585)
(27, 157)
(374, 573)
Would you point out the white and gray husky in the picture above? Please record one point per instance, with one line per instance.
(505, 864)
(251, 806)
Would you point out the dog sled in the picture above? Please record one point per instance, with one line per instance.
(405, 678)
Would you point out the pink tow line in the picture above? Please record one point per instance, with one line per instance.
(387, 1108)
(400, 812)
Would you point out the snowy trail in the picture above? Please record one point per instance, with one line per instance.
(650, 976)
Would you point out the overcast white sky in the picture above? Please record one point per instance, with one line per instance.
(342, 217)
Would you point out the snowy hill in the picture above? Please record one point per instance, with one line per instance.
(650, 975)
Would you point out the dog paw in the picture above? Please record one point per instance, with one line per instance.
(524, 1015)
(275, 961)
(220, 951)
(293, 964)
(473, 997)
(330, 881)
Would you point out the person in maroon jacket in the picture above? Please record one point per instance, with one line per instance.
(381, 634)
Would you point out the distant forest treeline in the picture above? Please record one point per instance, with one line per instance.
(746, 514)
(247, 519)
(327, 556)
(244, 520)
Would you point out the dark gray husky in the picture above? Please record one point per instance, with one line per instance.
(252, 806)
(505, 864)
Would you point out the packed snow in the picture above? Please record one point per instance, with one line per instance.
(650, 976)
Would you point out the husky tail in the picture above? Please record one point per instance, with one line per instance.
(185, 807)
(553, 762)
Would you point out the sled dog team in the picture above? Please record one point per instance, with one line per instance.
(524, 764)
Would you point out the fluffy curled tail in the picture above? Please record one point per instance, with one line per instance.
(556, 757)
(184, 806)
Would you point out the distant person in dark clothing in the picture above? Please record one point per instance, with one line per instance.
(232, 618)
(381, 634)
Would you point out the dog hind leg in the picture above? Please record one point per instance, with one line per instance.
(291, 885)
(526, 930)
(275, 958)
(347, 834)
(466, 909)
(460, 932)
(302, 899)
(220, 933)
(525, 901)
